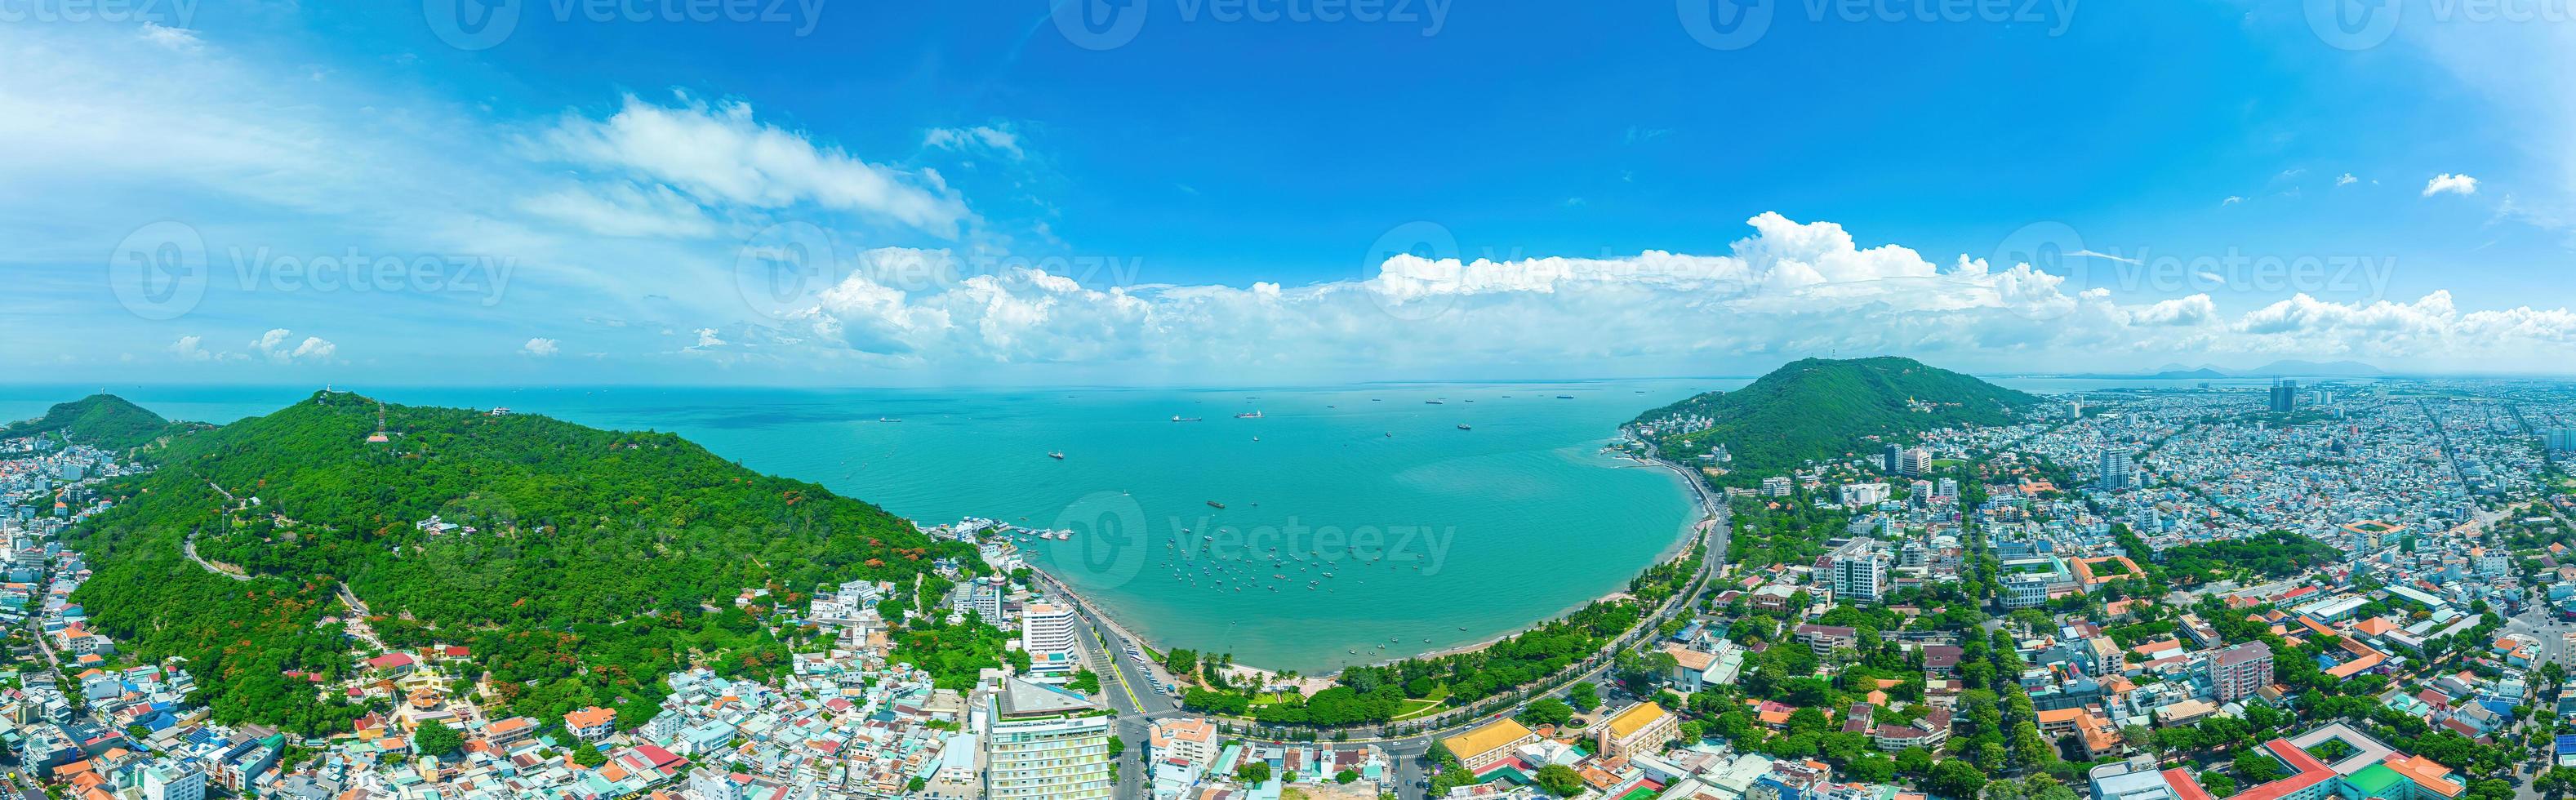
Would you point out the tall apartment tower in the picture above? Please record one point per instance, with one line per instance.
(2118, 471)
(2285, 396)
(1046, 742)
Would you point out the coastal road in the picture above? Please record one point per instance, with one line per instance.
(1407, 751)
(1129, 690)
(1128, 687)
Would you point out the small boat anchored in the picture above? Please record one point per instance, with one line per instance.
(1215, 504)
(1056, 454)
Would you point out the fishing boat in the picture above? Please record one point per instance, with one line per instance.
(1179, 418)
(1215, 504)
(1059, 454)
(1252, 414)
(1430, 402)
(1461, 426)
(888, 419)
(1565, 397)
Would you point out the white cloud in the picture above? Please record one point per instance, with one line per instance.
(994, 138)
(1789, 289)
(272, 346)
(622, 209)
(539, 347)
(2454, 184)
(191, 348)
(2193, 310)
(721, 154)
(2231, 200)
(176, 39)
(2346, 179)
(2106, 257)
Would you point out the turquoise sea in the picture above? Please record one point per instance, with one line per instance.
(1434, 536)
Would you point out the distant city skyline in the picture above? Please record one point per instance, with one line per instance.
(837, 194)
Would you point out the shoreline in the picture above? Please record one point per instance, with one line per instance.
(1692, 528)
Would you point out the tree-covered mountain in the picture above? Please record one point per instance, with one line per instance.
(597, 560)
(104, 421)
(1823, 409)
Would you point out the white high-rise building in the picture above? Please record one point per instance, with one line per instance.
(1046, 742)
(1048, 634)
(1859, 572)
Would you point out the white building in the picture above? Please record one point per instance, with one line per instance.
(1857, 495)
(2025, 590)
(1046, 742)
(173, 782)
(1048, 634)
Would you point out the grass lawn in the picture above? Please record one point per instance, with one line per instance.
(1416, 708)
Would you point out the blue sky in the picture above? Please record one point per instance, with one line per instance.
(948, 193)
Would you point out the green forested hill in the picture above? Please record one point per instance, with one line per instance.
(104, 421)
(1822, 409)
(600, 559)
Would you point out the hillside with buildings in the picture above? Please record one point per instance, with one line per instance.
(1819, 409)
(581, 562)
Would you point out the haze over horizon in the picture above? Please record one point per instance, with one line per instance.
(861, 195)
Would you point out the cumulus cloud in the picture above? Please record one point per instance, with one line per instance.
(192, 348)
(2193, 310)
(273, 346)
(990, 138)
(1787, 290)
(2231, 200)
(2454, 184)
(2346, 179)
(722, 154)
(539, 347)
